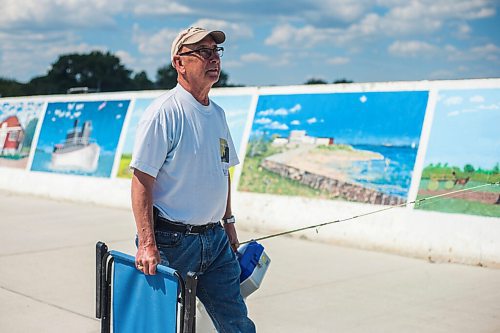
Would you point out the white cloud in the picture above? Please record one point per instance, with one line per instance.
(477, 99)
(454, 100)
(338, 61)
(453, 113)
(470, 110)
(232, 30)
(344, 10)
(57, 15)
(363, 99)
(277, 125)
(155, 44)
(411, 48)
(312, 120)
(296, 108)
(159, 7)
(126, 59)
(280, 111)
(263, 121)
(295, 122)
(254, 57)
(288, 36)
(463, 30)
(489, 107)
(397, 18)
(17, 58)
(488, 51)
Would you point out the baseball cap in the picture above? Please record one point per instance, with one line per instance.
(194, 35)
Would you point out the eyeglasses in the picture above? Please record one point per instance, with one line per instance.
(205, 52)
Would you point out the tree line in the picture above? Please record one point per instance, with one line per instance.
(100, 72)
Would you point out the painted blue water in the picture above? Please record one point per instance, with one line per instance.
(392, 175)
(42, 159)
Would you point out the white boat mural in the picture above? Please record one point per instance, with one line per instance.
(78, 152)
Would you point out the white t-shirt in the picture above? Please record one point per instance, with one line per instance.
(187, 147)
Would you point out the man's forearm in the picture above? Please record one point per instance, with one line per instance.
(142, 206)
(228, 211)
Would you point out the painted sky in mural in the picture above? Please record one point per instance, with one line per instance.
(376, 118)
(385, 125)
(237, 109)
(83, 154)
(465, 129)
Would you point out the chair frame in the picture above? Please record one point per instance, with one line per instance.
(104, 268)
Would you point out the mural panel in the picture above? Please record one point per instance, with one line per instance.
(80, 138)
(235, 107)
(18, 122)
(464, 152)
(349, 146)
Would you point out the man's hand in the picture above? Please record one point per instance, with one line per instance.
(231, 234)
(147, 258)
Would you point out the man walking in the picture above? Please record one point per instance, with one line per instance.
(181, 183)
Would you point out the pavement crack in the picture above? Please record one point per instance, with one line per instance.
(47, 303)
(59, 248)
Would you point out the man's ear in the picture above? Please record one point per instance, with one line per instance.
(179, 64)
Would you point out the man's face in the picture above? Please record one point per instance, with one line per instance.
(198, 69)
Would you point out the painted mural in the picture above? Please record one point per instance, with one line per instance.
(18, 122)
(464, 152)
(80, 137)
(236, 109)
(347, 146)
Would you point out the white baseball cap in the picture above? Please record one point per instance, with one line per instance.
(194, 35)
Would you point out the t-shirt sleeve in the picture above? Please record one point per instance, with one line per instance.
(151, 144)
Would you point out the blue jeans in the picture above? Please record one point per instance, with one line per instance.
(211, 257)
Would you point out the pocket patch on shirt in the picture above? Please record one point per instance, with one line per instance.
(224, 150)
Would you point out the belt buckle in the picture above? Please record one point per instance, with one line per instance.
(189, 227)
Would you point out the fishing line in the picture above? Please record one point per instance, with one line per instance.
(417, 202)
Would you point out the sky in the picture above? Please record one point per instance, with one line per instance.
(465, 129)
(106, 116)
(349, 118)
(268, 42)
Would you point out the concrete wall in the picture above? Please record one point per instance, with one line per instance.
(437, 236)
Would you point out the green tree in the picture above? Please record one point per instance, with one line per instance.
(166, 77)
(342, 81)
(468, 168)
(496, 169)
(315, 81)
(223, 80)
(142, 82)
(10, 87)
(41, 85)
(96, 70)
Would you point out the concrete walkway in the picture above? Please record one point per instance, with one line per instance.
(47, 279)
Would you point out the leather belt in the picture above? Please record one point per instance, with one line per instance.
(164, 224)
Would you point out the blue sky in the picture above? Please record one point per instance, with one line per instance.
(269, 42)
(465, 129)
(351, 118)
(107, 120)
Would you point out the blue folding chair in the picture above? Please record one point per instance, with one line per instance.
(142, 303)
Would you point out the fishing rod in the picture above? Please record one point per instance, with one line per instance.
(417, 202)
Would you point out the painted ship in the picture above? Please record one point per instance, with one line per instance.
(77, 152)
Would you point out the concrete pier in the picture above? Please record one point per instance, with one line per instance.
(47, 279)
